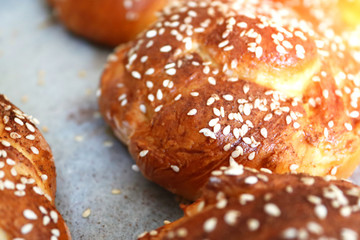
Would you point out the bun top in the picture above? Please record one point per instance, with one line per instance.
(242, 203)
(266, 83)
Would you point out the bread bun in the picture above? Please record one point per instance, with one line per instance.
(27, 180)
(266, 83)
(108, 22)
(240, 203)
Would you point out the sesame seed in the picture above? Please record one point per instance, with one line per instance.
(210, 101)
(34, 150)
(253, 224)
(227, 130)
(135, 168)
(175, 168)
(231, 216)
(272, 210)
(258, 52)
(314, 199)
(30, 127)
(46, 220)
(159, 94)
(212, 80)
(223, 43)
(320, 211)
(150, 71)
(348, 126)
(136, 74)
(251, 180)
(27, 228)
(296, 125)
(293, 167)
(171, 71)
(315, 228)
(247, 140)
(251, 156)
(5, 143)
(238, 151)
(263, 132)
(178, 97)
(228, 97)
(246, 197)
(166, 48)
(115, 191)
(290, 233)
(308, 180)
(29, 214)
(192, 112)
(86, 213)
(348, 234)
(210, 224)
(143, 153)
(151, 33)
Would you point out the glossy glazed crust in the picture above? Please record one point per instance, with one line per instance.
(240, 203)
(108, 22)
(261, 83)
(27, 180)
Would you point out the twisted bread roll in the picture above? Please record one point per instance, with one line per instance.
(108, 22)
(266, 83)
(27, 180)
(240, 203)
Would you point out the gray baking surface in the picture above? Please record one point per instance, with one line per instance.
(53, 75)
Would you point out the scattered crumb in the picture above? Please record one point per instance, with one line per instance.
(89, 92)
(82, 73)
(115, 191)
(86, 213)
(41, 76)
(166, 222)
(135, 168)
(97, 115)
(24, 99)
(45, 129)
(108, 144)
(46, 23)
(79, 138)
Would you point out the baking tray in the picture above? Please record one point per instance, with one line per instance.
(54, 75)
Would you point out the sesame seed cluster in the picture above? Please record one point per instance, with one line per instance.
(265, 83)
(27, 180)
(243, 203)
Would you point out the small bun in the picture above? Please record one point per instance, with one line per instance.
(266, 83)
(27, 180)
(242, 203)
(108, 22)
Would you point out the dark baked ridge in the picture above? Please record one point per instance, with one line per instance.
(240, 203)
(268, 84)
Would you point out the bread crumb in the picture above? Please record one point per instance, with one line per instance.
(115, 191)
(108, 144)
(82, 73)
(79, 138)
(24, 99)
(41, 76)
(86, 213)
(45, 129)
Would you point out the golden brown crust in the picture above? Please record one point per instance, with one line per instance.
(240, 203)
(108, 22)
(257, 81)
(27, 179)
